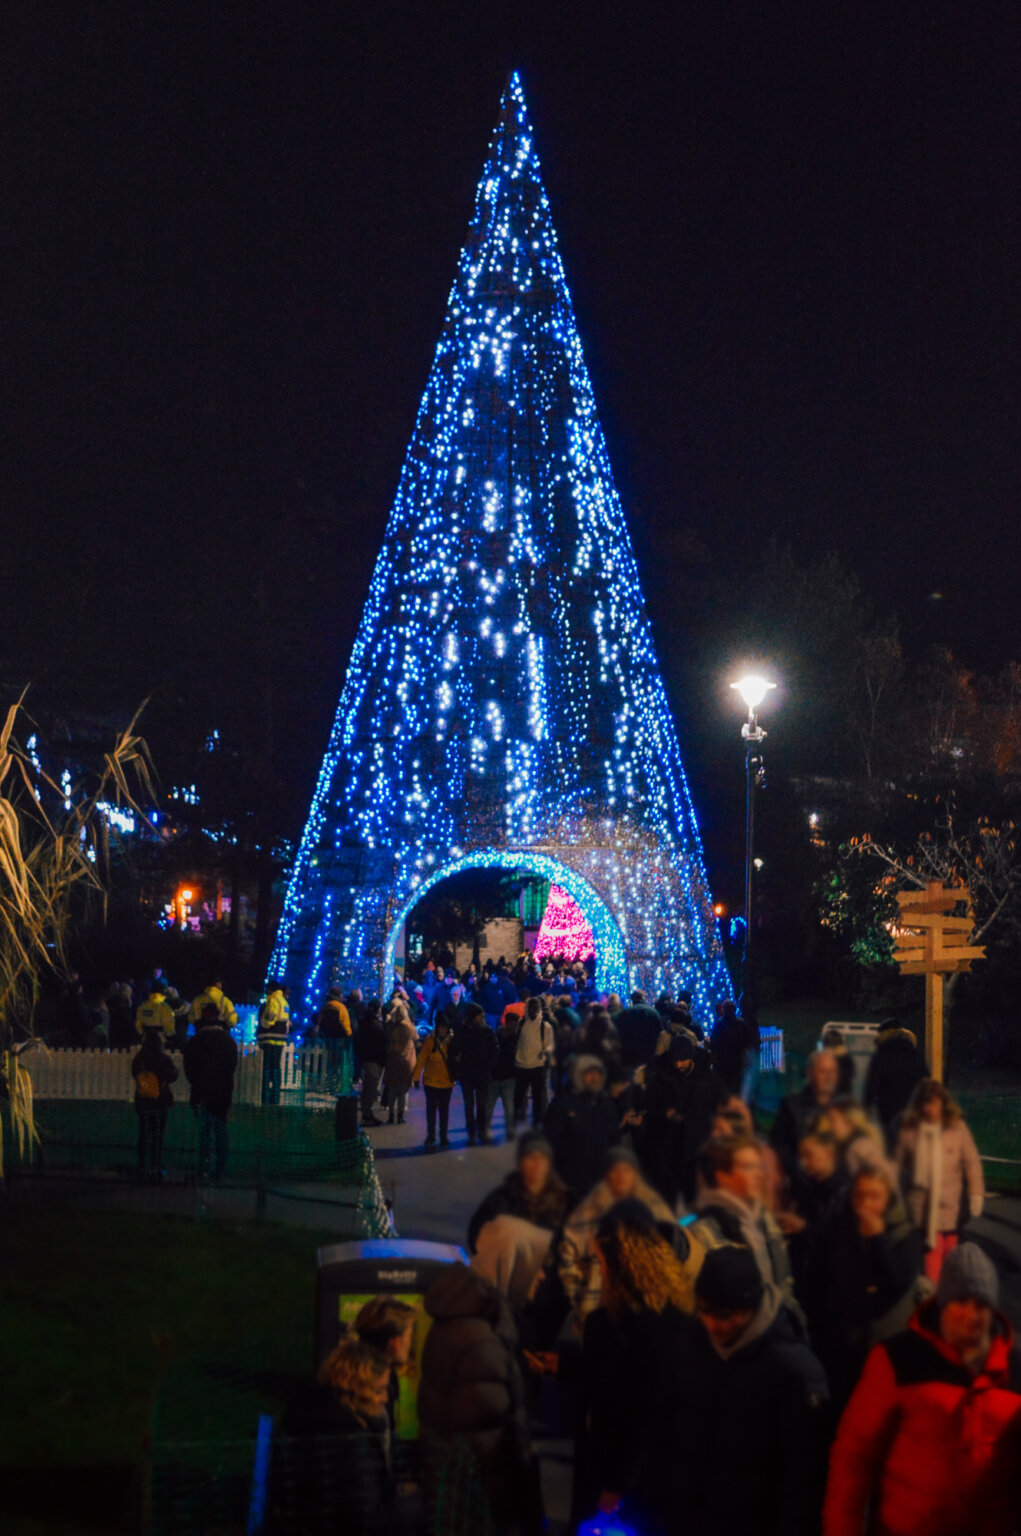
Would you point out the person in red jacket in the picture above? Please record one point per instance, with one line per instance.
(927, 1444)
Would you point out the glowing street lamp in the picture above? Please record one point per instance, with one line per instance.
(753, 690)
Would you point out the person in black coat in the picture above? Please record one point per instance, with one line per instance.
(681, 1099)
(819, 1189)
(799, 1110)
(370, 1057)
(533, 1192)
(582, 1125)
(862, 1284)
(639, 1027)
(757, 1448)
(472, 1061)
(210, 1062)
(895, 1070)
(636, 1354)
(733, 1040)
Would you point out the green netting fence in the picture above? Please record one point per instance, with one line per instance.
(276, 1155)
(204, 1476)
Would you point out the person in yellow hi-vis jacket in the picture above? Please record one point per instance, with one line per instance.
(225, 1010)
(156, 1013)
(271, 1036)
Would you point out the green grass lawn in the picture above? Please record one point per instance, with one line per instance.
(108, 1314)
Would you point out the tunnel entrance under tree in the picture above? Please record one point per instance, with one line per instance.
(495, 904)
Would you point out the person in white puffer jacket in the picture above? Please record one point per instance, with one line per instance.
(532, 1062)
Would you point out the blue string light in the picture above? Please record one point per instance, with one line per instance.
(503, 704)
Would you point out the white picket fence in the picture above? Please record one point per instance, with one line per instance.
(101, 1074)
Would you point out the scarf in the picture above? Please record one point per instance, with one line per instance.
(928, 1175)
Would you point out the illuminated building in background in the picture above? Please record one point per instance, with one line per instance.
(504, 705)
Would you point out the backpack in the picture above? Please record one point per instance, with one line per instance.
(148, 1085)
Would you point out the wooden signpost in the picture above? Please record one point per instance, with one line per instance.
(932, 944)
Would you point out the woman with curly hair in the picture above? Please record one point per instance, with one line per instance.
(938, 1162)
(636, 1350)
(333, 1460)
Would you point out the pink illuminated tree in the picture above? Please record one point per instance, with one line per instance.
(564, 929)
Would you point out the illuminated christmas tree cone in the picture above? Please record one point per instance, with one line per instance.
(504, 705)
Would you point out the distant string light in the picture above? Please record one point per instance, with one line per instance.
(503, 700)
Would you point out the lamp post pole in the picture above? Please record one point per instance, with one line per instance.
(753, 735)
(752, 690)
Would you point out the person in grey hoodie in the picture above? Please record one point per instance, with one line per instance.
(730, 1210)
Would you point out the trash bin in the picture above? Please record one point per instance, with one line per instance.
(350, 1274)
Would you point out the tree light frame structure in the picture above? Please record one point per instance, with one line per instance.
(504, 702)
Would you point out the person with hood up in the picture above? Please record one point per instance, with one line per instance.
(755, 1459)
(471, 1391)
(156, 1014)
(333, 1023)
(435, 1068)
(682, 1096)
(938, 1163)
(863, 1283)
(533, 1192)
(401, 1056)
(895, 1070)
(582, 1125)
(730, 1210)
(226, 1013)
(636, 1358)
(475, 1052)
(577, 1264)
(929, 1441)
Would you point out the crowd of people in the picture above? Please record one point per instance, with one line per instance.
(779, 1333)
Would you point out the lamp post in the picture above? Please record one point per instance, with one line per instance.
(753, 689)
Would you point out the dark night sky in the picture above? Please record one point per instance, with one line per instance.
(792, 237)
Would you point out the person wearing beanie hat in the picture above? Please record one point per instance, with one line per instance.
(582, 1124)
(681, 1099)
(929, 1439)
(533, 1192)
(756, 1457)
(730, 1286)
(968, 1273)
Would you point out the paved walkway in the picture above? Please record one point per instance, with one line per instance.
(435, 1192)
